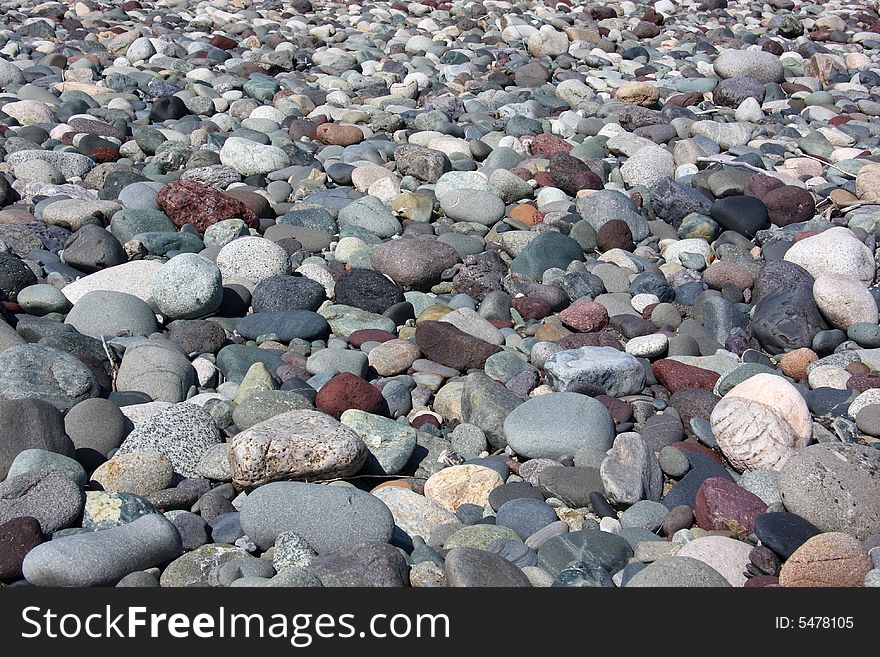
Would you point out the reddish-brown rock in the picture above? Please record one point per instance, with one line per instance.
(789, 204)
(191, 202)
(345, 391)
(17, 537)
(531, 307)
(222, 42)
(339, 135)
(578, 340)
(675, 376)
(357, 338)
(585, 316)
(549, 145)
(721, 504)
(448, 345)
(614, 234)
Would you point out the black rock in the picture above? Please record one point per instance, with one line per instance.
(516, 490)
(684, 492)
(743, 214)
(92, 248)
(584, 573)
(14, 276)
(368, 290)
(608, 550)
(601, 506)
(784, 532)
(287, 293)
(786, 321)
(168, 107)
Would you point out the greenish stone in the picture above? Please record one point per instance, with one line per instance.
(479, 536)
(257, 379)
(698, 226)
(739, 374)
(40, 459)
(161, 243)
(128, 222)
(345, 320)
(390, 443)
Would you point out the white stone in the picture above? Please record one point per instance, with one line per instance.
(844, 300)
(834, 251)
(761, 423)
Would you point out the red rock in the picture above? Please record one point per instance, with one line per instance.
(862, 382)
(699, 449)
(840, 119)
(501, 323)
(191, 202)
(104, 154)
(725, 272)
(222, 42)
(357, 338)
(789, 204)
(572, 175)
(300, 128)
(675, 376)
(425, 418)
(531, 307)
(339, 135)
(549, 145)
(448, 345)
(293, 358)
(543, 179)
(761, 581)
(760, 185)
(721, 504)
(685, 100)
(17, 537)
(585, 316)
(345, 391)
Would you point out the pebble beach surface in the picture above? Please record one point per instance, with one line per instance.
(439, 293)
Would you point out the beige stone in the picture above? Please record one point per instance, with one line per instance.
(393, 357)
(726, 555)
(462, 484)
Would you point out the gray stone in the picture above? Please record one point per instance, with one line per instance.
(157, 368)
(557, 425)
(486, 404)
(835, 486)
(106, 313)
(187, 287)
(678, 572)
(103, 558)
(326, 517)
(467, 567)
(390, 443)
(631, 472)
(183, 433)
(49, 496)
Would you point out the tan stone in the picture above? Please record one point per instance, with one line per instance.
(638, 93)
(834, 559)
(868, 183)
(726, 555)
(303, 444)
(462, 484)
(393, 357)
(126, 473)
(415, 514)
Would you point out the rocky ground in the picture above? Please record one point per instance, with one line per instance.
(472, 293)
